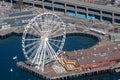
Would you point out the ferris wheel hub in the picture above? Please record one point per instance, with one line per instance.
(45, 39)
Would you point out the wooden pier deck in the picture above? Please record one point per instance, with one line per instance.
(49, 73)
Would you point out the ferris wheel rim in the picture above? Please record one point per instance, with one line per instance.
(45, 39)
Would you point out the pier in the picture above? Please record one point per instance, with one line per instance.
(49, 74)
(98, 60)
(89, 62)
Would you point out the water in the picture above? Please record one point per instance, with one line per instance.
(11, 47)
(79, 41)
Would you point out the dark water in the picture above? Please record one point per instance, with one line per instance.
(78, 41)
(11, 47)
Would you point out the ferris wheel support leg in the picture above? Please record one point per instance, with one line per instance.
(40, 59)
(43, 61)
(35, 59)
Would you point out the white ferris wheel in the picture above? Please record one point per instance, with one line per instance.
(43, 39)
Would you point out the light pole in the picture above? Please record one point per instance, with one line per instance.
(11, 2)
(3, 1)
(33, 3)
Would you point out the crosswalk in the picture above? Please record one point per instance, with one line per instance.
(58, 69)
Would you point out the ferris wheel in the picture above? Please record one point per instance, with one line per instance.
(43, 39)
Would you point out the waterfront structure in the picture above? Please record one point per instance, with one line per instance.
(88, 1)
(80, 9)
(93, 61)
(16, 19)
(45, 59)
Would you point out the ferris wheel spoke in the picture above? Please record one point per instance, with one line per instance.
(52, 50)
(41, 57)
(35, 59)
(40, 23)
(35, 30)
(33, 43)
(57, 32)
(54, 53)
(32, 39)
(46, 19)
(44, 52)
(54, 24)
(31, 49)
(50, 39)
(51, 19)
(56, 19)
(33, 54)
(38, 27)
(54, 44)
(57, 29)
(49, 51)
(39, 51)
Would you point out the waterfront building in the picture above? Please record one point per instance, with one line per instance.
(79, 9)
